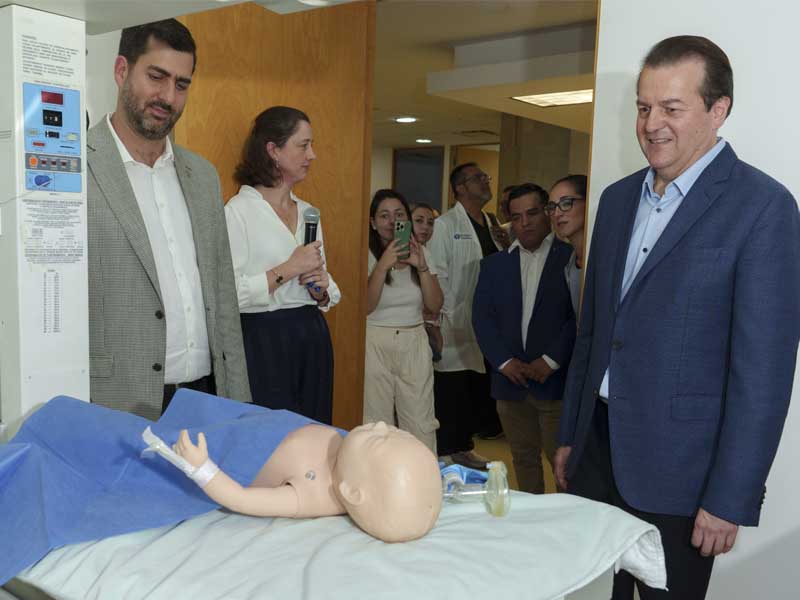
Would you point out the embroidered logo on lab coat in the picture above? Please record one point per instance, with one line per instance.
(462, 236)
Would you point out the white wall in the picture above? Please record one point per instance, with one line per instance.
(759, 39)
(101, 91)
(381, 169)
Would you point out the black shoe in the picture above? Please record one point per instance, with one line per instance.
(490, 435)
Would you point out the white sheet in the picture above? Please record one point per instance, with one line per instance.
(547, 547)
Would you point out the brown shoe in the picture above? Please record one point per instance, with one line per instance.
(470, 459)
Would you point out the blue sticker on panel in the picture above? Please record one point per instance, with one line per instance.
(53, 126)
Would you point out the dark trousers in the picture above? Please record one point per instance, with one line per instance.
(455, 395)
(205, 384)
(487, 420)
(688, 572)
(290, 361)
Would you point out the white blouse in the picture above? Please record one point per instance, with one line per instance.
(259, 242)
(400, 304)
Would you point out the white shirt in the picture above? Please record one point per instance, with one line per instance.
(531, 265)
(400, 304)
(169, 229)
(260, 241)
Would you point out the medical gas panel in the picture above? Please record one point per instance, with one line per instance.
(52, 134)
(44, 321)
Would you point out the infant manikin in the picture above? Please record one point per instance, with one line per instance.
(384, 478)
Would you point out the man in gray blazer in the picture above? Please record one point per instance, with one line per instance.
(163, 311)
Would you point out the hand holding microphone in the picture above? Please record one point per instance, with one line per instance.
(311, 219)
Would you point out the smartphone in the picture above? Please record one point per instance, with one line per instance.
(402, 234)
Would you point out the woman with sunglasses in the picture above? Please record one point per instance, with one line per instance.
(566, 209)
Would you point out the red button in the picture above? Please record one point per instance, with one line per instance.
(39, 144)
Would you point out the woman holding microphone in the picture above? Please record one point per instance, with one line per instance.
(398, 376)
(282, 283)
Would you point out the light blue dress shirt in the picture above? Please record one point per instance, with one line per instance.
(652, 217)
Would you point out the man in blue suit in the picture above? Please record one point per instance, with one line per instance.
(523, 320)
(682, 371)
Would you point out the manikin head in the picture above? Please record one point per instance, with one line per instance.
(388, 482)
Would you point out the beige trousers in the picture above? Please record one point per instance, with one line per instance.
(530, 426)
(398, 381)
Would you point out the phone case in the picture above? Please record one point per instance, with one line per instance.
(402, 233)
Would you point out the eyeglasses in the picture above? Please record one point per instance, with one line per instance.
(482, 177)
(564, 204)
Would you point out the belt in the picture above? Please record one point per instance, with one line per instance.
(205, 384)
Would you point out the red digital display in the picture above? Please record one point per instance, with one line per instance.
(52, 98)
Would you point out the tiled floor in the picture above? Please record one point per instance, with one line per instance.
(499, 450)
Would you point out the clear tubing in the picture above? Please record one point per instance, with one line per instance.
(494, 493)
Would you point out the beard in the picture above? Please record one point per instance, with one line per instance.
(146, 127)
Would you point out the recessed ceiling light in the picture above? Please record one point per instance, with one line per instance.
(557, 98)
(405, 119)
(316, 2)
(423, 141)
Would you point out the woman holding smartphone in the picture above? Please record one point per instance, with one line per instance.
(423, 220)
(398, 377)
(283, 284)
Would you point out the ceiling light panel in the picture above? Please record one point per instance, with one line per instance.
(557, 98)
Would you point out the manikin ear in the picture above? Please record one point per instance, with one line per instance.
(352, 495)
(121, 68)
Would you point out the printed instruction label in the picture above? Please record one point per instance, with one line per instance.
(45, 59)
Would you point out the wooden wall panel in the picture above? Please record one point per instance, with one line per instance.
(319, 61)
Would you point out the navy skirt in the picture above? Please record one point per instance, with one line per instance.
(290, 361)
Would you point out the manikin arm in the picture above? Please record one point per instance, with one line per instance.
(256, 501)
(279, 501)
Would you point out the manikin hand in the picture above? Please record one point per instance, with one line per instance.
(712, 535)
(195, 455)
(516, 371)
(539, 370)
(560, 467)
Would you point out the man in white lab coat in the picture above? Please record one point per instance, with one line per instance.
(461, 238)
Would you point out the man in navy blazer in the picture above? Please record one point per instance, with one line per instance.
(525, 326)
(683, 366)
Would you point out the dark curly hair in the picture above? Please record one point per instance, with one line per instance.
(133, 41)
(276, 125)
